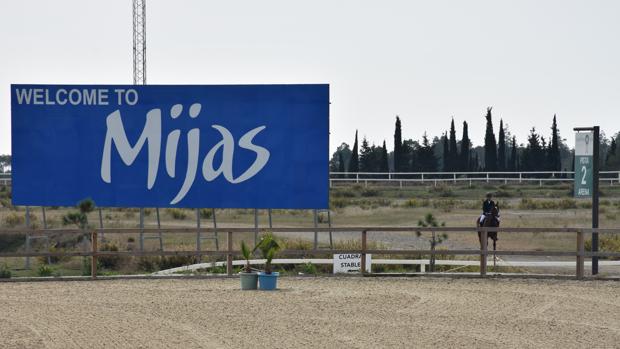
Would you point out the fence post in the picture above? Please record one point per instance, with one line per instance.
(357, 177)
(229, 256)
(363, 251)
(454, 177)
(580, 255)
(483, 252)
(487, 177)
(520, 177)
(93, 258)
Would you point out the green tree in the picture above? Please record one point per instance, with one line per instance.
(554, 158)
(453, 151)
(445, 158)
(425, 156)
(465, 155)
(366, 157)
(400, 162)
(533, 154)
(383, 164)
(501, 148)
(340, 158)
(354, 161)
(512, 162)
(490, 145)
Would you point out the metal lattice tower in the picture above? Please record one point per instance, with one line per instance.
(139, 42)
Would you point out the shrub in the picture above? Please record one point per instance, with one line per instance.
(343, 193)
(10, 242)
(607, 243)
(370, 192)
(567, 204)
(45, 270)
(13, 220)
(168, 262)
(5, 273)
(339, 203)
(413, 203)
(110, 262)
(148, 263)
(177, 213)
(206, 213)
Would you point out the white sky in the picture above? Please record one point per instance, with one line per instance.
(423, 60)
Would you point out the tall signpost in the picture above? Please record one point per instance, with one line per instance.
(587, 176)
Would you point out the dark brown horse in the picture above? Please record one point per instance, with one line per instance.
(490, 220)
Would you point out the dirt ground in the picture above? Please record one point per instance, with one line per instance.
(333, 312)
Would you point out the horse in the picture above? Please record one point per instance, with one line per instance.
(490, 220)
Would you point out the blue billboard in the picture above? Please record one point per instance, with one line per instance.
(229, 146)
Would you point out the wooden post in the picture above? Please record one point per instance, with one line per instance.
(483, 253)
(580, 255)
(93, 259)
(363, 251)
(229, 256)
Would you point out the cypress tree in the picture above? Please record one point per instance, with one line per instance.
(447, 163)
(399, 156)
(490, 145)
(354, 161)
(555, 159)
(465, 150)
(501, 148)
(384, 167)
(454, 152)
(512, 163)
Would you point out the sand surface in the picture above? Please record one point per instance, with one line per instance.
(311, 312)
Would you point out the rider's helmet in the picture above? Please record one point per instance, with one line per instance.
(489, 195)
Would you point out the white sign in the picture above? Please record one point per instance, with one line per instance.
(350, 262)
(584, 144)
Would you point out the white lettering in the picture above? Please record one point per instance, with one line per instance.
(116, 134)
(23, 95)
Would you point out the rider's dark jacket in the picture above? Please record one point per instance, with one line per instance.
(487, 206)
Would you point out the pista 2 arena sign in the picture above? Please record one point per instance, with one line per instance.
(231, 146)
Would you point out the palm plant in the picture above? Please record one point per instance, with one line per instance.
(247, 254)
(268, 247)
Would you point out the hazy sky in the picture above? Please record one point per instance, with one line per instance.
(423, 60)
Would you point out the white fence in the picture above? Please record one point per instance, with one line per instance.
(401, 178)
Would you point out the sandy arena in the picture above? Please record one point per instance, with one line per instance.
(311, 312)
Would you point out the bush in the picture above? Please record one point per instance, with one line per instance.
(607, 243)
(148, 263)
(370, 192)
(339, 203)
(413, 203)
(45, 270)
(11, 242)
(110, 262)
(5, 273)
(169, 262)
(206, 213)
(13, 220)
(566, 204)
(343, 193)
(177, 213)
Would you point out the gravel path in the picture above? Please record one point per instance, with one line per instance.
(311, 312)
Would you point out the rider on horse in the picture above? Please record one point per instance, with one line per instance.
(487, 208)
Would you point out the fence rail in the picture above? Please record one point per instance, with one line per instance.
(579, 252)
(401, 178)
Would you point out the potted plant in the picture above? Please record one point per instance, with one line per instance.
(249, 279)
(268, 246)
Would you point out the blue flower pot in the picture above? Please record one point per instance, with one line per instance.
(268, 282)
